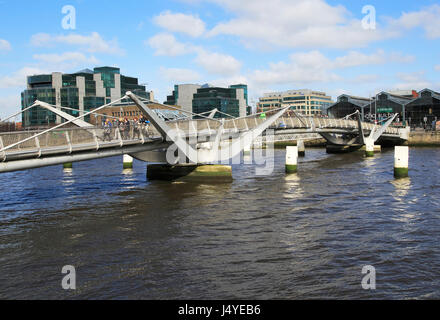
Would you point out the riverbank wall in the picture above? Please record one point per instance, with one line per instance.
(424, 139)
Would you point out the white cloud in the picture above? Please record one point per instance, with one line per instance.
(92, 43)
(355, 58)
(365, 78)
(437, 67)
(72, 57)
(18, 78)
(297, 23)
(314, 67)
(9, 104)
(302, 68)
(179, 75)
(179, 22)
(4, 45)
(217, 63)
(413, 80)
(165, 44)
(427, 18)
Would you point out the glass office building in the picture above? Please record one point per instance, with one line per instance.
(81, 91)
(222, 99)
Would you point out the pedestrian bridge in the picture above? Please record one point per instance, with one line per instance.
(203, 140)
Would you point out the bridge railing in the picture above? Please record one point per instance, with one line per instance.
(71, 139)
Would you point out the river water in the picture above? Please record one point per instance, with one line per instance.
(301, 236)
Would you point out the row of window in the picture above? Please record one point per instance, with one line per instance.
(126, 114)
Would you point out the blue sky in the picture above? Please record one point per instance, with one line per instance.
(270, 45)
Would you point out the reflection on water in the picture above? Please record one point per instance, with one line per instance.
(299, 236)
(402, 187)
(293, 186)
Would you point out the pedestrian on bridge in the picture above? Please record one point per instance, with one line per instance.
(127, 129)
(136, 128)
(107, 130)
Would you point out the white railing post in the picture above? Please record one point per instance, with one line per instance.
(96, 139)
(69, 142)
(1, 148)
(209, 127)
(37, 143)
(118, 132)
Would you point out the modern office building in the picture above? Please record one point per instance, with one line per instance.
(229, 101)
(305, 101)
(82, 91)
(182, 96)
(199, 99)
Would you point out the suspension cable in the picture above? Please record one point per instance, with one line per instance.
(60, 125)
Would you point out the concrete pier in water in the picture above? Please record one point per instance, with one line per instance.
(401, 161)
(190, 172)
(291, 159)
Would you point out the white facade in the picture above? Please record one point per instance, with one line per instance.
(185, 93)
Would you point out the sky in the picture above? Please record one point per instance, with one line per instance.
(336, 46)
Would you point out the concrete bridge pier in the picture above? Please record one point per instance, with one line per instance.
(127, 162)
(190, 173)
(301, 148)
(369, 147)
(67, 165)
(331, 148)
(401, 160)
(291, 159)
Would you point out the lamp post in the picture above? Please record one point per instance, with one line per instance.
(403, 115)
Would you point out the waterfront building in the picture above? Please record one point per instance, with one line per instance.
(418, 109)
(304, 101)
(425, 107)
(82, 91)
(384, 104)
(199, 99)
(183, 96)
(128, 110)
(346, 105)
(227, 100)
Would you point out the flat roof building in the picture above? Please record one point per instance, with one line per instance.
(182, 96)
(204, 98)
(229, 101)
(83, 91)
(305, 101)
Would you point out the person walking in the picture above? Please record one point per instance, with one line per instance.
(136, 128)
(121, 126)
(127, 128)
(107, 130)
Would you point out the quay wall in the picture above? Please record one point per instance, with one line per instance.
(424, 139)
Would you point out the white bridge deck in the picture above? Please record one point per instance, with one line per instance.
(72, 140)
